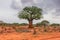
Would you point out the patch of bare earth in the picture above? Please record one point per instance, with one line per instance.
(30, 36)
(8, 34)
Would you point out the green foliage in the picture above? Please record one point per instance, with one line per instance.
(23, 24)
(38, 24)
(45, 22)
(54, 24)
(3, 24)
(15, 24)
(31, 13)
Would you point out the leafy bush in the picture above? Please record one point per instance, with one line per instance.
(15, 23)
(3, 24)
(54, 24)
(38, 24)
(23, 24)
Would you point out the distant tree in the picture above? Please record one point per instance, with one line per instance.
(55, 25)
(31, 13)
(38, 24)
(2, 22)
(23, 24)
(15, 23)
(45, 23)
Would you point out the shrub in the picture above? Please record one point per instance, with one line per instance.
(39, 24)
(54, 24)
(22, 24)
(15, 23)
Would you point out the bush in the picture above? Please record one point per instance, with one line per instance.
(38, 24)
(54, 24)
(3, 24)
(15, 23)
(23, 24)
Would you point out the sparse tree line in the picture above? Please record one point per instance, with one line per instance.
(30, 14)
(43, 26)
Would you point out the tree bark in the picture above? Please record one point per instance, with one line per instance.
(30, 24)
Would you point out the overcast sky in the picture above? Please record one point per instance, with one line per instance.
(10, 8)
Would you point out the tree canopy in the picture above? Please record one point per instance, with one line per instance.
(31, 13)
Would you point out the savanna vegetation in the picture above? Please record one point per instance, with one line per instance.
(30, 14)
(42, 30)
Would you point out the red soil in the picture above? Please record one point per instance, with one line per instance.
(29, 35)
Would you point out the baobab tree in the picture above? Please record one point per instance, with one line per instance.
(31, 13)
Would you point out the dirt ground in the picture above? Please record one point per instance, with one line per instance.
(29, 35)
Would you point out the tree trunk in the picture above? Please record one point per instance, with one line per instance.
(30, 24)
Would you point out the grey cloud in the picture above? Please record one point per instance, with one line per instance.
(26, 1)
(16, 5)
(45, 5)
(57, 13)
(52, 4)
(57, 3)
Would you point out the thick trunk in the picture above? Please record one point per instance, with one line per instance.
(30, 24)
